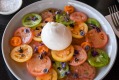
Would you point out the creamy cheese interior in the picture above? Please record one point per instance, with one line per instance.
(56, 36)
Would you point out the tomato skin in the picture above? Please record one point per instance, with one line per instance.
(97, 39)
(37, 64)
(80, 54)
(25, 33)
(78, 17)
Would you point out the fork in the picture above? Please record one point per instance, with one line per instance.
(113, 10)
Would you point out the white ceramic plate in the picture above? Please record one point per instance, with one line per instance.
(19, 69)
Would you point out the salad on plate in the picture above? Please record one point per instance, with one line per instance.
(60, 45)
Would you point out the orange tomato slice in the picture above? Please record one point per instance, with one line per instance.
(69, 9)
(42, 49)
(86, 46)
(15, 41)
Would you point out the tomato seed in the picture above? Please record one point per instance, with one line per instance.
(21, 55)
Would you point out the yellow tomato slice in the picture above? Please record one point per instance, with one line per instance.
(22, 53)
(51, 75)
(37, 35)
(63, 55)
(80, 30)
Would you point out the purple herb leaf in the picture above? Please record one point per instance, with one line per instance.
(75, 75)
(82, 33)
(27, 30)
(63, 64)
(94, 53)
(45, 70)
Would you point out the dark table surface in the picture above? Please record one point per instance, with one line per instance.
(100, 5)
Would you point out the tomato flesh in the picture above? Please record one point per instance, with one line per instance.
(98, 58)
(31, 20)
(80, 56)
(63, 55)
(97, 39)
(21, 53)
(37, 65)
(25, 33)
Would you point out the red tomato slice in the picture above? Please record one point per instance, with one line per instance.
(38, 65)
(97, 39)
(25, 33)
(78, 17)
(82, 72)
(80, 56)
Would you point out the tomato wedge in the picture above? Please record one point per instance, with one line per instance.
(38, 65)
(25, 33)
(51, 75)
(97, 39)
(80, 56)
(82, 72)
(21, 53)
(63, 55)
(78, 17)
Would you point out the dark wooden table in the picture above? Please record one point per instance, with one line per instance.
(100, 5)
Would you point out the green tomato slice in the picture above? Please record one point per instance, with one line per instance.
(31, 20)
(64, 19)
(61, 70)
(93, 22)
(99, 58)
